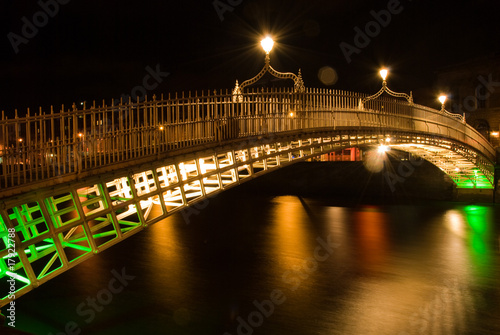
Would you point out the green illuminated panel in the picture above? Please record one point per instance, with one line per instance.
(4, 236)
(75, 243)
(62, 209)
(469, 184)
(46, 261)
(28, 221)
(12, 282)
(103, 229)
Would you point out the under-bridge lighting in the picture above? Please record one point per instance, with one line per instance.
(267, 44)
(383, 73)
(383, 148)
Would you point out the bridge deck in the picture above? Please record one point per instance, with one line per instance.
(41, 147)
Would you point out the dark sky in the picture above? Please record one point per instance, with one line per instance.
(100, 49)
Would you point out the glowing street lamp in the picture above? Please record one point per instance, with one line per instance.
(267, 44)
(442, 98)
(383, 73)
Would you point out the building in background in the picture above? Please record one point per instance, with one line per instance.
(473, 89)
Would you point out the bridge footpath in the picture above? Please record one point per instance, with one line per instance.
(78, 181)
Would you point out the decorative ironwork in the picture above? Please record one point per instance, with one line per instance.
(384, 88)
(237, 94)
(297, 79)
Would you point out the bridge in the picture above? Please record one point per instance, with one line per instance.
(80, 180)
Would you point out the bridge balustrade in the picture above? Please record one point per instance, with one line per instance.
(47, 145)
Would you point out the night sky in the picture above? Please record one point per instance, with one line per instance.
(94, 50)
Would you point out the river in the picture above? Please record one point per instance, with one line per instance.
(247, 264)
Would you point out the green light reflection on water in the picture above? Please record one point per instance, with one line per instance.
(478, 219)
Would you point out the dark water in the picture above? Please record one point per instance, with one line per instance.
(287, 265)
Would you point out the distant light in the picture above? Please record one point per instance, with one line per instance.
(267, 44)
(383, 148)
(291, 114)
(442, 98)
(20, 140)
(494, 133)
(383, 73)
(80, 134)
(388, 139)
(457, 169)
(161, 127)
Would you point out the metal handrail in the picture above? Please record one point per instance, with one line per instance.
(46, 145)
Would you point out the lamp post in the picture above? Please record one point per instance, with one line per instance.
(384, 73)
(267, 45)
(442, 98)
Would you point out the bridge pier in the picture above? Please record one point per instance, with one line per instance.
(474, 195)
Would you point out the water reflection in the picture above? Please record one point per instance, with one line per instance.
(166, 262)
(474, 226)
(430, 269)
(479, 220)
(370, 223)
(290, 236)
(293, 244)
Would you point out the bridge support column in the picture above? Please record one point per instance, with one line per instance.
(474, 195)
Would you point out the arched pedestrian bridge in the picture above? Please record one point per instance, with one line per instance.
(75, 182)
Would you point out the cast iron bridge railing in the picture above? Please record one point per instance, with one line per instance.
(48, 148)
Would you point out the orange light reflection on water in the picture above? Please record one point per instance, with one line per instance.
(371, 225)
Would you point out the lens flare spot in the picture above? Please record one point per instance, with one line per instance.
(327, 75)
(374, 161)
